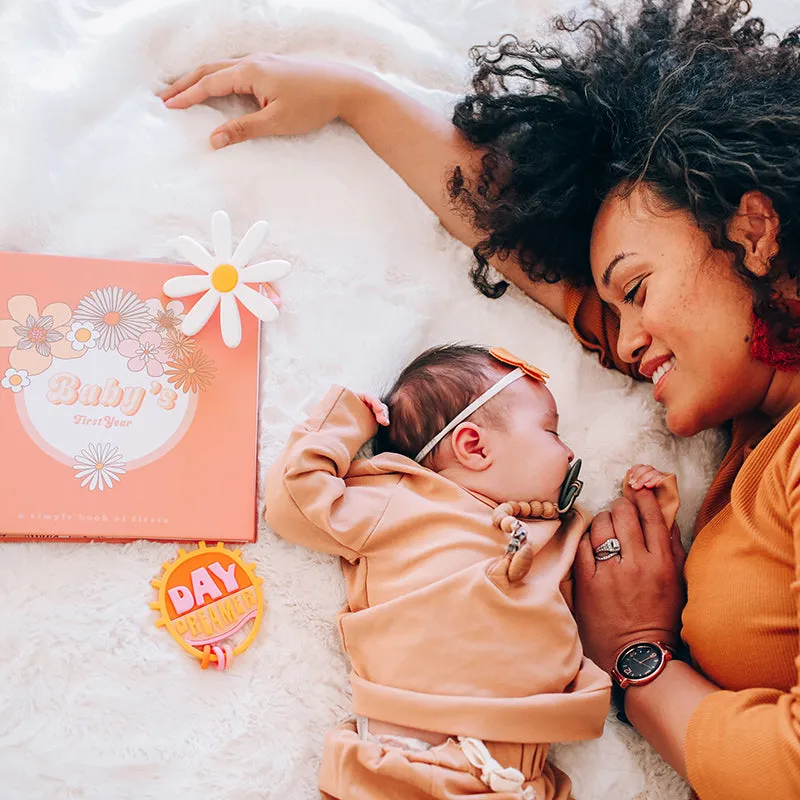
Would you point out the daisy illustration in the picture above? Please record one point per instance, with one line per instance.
(36, 338)
(82, 336)
(165, 317)
(98, 465)
(15, 379)
(145, 352)
(192, 373)
(115, 313)
(226, 278)
(178, 345)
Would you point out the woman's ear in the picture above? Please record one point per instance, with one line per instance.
(471, 446)
(755, 226)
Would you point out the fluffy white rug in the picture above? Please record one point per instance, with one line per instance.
(96, 702)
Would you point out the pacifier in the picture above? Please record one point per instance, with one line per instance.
(570, 489)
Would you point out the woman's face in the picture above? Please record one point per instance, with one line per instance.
(685, 316)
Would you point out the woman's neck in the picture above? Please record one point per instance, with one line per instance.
(782, 395)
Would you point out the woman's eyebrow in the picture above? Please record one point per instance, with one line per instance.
(606, 279)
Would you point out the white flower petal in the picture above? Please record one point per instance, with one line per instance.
(200, 313)
(221, 237)
(256, 303)
(195, 253)
(266, 271)
(184, 285)
(251, 242)
(229, 320)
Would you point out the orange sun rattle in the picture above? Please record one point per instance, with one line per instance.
(207, 597)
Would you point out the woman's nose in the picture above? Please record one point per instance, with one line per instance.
(633, 341)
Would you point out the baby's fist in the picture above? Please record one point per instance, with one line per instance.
(379, 410)
(643, 476)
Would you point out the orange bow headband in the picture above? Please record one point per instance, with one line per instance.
(501, 354)
(521, 368)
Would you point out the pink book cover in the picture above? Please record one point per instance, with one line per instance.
(114, 425)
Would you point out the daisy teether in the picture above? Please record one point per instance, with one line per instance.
(225, 280)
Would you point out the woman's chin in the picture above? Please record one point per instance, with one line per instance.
(682, 422)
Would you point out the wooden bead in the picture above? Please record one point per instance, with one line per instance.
(521, 563)
(548, 510)
(507, 525)
(536, 508)
(524, 509)
(514, 509)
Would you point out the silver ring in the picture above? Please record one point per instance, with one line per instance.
(608, 549)
(606, 556)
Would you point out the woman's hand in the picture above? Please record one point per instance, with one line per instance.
(638, 595)
(294, 95)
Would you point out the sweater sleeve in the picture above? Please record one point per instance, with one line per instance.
(746, 744)
(596, 327)
(307, 497)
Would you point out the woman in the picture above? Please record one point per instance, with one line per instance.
(664, 153)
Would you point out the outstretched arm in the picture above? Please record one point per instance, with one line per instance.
(296, 96)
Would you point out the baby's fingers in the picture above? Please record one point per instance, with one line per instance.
(643, 476)
(379, 410)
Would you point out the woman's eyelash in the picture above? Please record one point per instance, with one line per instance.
(630, 297)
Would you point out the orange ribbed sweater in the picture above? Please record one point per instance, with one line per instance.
(741, 616)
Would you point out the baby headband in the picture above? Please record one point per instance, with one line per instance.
(521, 368)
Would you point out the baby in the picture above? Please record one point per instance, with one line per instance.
(465, 656)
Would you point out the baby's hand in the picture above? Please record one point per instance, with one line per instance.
(379, 409)
(643, 476)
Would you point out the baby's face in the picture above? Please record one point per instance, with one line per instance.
(530, 461)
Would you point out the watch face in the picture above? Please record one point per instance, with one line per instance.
(639, 661)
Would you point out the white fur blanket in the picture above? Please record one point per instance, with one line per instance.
(95, 701)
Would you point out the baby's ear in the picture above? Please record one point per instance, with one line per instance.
(470, 446)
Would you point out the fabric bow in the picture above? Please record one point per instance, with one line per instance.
(501, 354)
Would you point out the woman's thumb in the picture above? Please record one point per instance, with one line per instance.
(250, 126)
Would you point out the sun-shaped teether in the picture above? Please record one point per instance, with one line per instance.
(206, 597)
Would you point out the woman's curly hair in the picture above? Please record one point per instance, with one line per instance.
(700, 105)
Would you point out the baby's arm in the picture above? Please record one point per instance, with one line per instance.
(307, 498)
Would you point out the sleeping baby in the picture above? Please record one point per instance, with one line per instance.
(457, 540)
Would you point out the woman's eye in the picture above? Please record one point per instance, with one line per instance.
(630, 297)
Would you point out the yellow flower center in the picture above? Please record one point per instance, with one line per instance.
(83, 335)
(99, 466)
(15, 380)
(224, 278)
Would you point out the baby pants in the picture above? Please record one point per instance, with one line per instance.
(380, 768)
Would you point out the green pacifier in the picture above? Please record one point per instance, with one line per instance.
(570, 489)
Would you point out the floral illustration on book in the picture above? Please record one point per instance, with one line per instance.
(124, 375)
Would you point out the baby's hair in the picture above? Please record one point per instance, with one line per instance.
(434, 388)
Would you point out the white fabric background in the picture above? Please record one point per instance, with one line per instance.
(95, 701)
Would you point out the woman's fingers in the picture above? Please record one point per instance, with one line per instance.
(249, 126)
(584, 558)
(678, 553)
(219, 83)
(654, 529)
(191, 78)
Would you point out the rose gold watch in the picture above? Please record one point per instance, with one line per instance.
(640, 663)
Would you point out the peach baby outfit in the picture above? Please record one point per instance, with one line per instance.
(438, 637)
